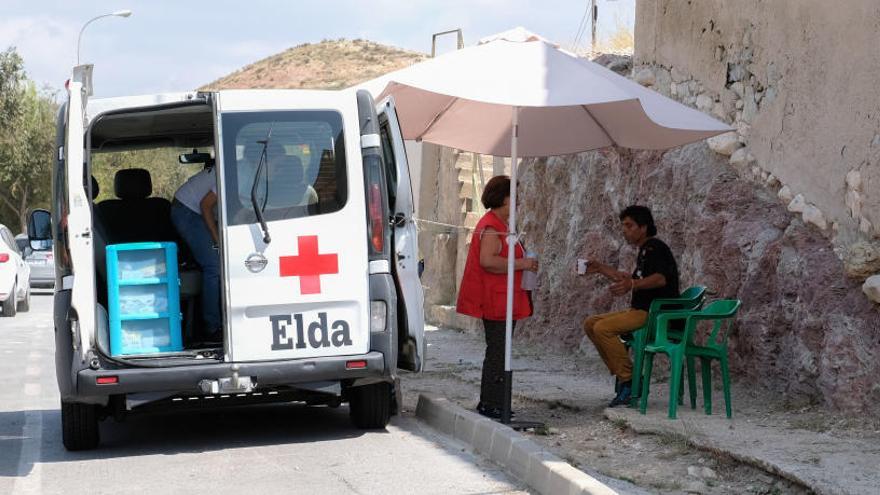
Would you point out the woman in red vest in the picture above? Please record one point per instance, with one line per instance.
(483, 291)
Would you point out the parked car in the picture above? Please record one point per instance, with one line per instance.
(15, 275)
(39, 256)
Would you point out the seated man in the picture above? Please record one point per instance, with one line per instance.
(655, 276)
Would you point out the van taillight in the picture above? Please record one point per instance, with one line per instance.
(356, 365)
(107, 380)
(4, 257)
(377, 226)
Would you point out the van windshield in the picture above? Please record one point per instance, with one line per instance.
(304, 170)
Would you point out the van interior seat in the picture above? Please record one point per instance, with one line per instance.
(135, 216)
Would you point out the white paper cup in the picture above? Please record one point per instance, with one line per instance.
(582, 266)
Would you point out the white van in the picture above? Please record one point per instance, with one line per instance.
(321, 300)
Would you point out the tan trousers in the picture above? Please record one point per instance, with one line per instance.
(605, 330)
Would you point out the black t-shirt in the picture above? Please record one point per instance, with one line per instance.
(655, 257)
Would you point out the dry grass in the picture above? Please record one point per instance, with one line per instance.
(330, 64)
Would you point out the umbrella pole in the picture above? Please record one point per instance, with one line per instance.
(512, 239)
(511, 253)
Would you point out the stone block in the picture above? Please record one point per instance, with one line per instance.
(678, 76)
(521, 452)
(724, 144)
(740, 159)
(798, 204)
(862, 260)
(814, 216)
(871, 288)
(738, 88)
(502, 440)
(705, 103)
(436, 411)
(483, 436)
(645, 77)
(785, 194)
(466, 426)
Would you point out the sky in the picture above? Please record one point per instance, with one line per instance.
(169, 45)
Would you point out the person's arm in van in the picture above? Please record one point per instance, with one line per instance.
(209, 201)
(492, 262)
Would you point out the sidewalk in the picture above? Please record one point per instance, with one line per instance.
(766, 448)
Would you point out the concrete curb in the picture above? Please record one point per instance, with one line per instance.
(525, 459)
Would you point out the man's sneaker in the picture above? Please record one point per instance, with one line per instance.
(623, 396)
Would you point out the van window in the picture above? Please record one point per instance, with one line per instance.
(304, 168)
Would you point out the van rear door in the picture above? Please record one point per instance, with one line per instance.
(411, 324)
(296, 285)
(78, 217)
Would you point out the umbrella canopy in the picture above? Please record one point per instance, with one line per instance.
(465, 99)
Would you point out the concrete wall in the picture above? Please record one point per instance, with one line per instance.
(798, 79)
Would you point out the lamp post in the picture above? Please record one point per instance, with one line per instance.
(118, 13)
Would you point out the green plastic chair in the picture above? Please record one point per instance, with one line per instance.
(689, 300)
(721, 312)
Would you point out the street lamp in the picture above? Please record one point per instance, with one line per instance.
(118, 13)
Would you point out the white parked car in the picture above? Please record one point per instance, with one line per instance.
(15, 276)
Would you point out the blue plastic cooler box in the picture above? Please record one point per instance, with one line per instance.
(144, 298)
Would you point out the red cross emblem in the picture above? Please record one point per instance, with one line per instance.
(308, 265)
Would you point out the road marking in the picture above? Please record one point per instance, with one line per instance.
(29, 473)
(32, 389)
(32, 371)
(35, 356)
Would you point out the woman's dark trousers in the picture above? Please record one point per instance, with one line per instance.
(492, 385)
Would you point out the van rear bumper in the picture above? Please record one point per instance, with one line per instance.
(185, 379)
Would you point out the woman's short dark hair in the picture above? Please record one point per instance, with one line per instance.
(641, 215)
(495, 191)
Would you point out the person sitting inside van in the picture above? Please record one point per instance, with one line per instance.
(287, 185)
(192, 213)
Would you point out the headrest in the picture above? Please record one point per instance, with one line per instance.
(133, 183)
(288, 167)
(95, 189)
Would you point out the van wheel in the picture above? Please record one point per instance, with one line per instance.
(9, 305)
(79, 426)
(25, 304)
(370, 405)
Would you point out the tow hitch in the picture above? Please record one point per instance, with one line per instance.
(234, 384)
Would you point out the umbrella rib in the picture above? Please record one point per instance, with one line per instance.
(437, 117)
(599, 124)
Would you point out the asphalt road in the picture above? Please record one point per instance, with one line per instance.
(284, 448)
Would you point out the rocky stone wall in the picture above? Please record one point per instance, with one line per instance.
(804, 330)
(797, 79)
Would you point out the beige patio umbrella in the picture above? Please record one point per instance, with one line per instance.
(520, 96)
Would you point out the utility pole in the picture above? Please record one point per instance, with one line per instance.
(594, 13)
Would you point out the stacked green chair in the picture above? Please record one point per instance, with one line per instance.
(689, 300)
(721, 313)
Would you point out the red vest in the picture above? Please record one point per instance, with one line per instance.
(483, 294)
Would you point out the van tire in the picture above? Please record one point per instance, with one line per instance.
(25, 304)
(370, 405)
(79, 426)
(9, 305)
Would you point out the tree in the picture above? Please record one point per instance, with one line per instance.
(27, 136)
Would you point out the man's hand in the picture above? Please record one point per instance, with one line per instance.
(622, 286)
(594, 265)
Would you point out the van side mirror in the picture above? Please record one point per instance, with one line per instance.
(39, 228)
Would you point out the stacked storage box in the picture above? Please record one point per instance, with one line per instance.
(144, 298)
